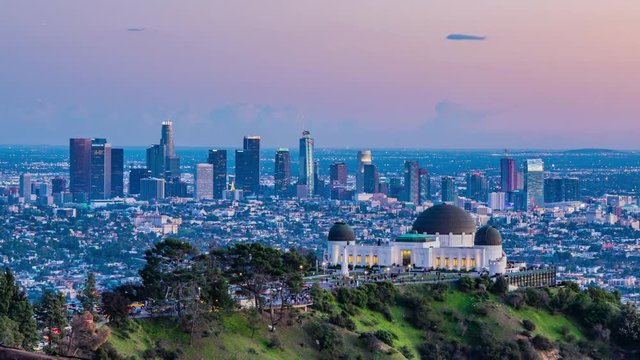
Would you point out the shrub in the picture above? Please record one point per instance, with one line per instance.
(274, 343)
(406, 352)
(386, 337)
(540, 342)
(466, 284)
(528, 325)
(500, 286)
(343, 320)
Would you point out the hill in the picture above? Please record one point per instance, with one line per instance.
(417, 321)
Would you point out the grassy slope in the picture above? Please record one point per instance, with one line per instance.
(234, 341)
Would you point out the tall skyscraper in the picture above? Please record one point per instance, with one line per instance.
(135, 176)
(100, 169)
(58, 185)
(508, 174)
(364, 158)
(534, 183)
(571, 189)
(306, 173)
(370, 179)
(338, 173)
(558, 189)
(219, 160)
(448, 191)
(248, 166)
(412, 181)
(117, 172)
(166, 138)
(80, 168)
(25, 186)
(282, 172)
(497, 200)
(152, 189)
(203, 180)
(157, 160)
(424, 185)
(477, 187)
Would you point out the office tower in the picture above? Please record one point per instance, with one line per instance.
(166, 138)
(370, 179)
(135, 175)
(152, 189)
(553, 190)
(80, 168)
(203, 181)
(58, 185)
(497, 200)
(384, 185)
(534, 183)
(306, 173)
(100, 169)
(508, 173)
(395, 187)
(318, 185)
(172, 167)
(338, 173)
(219, 160)
(156, 160)
(520, 180)
(175, 187)
(477, 187)
(424, 185)
(282, 172)
(248, 166)
(25, 186)
(571, 189)
(117, 172)
(411, 181)
(448, 191)
(364, 158)
(519, 198)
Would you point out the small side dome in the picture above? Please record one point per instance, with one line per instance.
(488, 236)
(340, 231)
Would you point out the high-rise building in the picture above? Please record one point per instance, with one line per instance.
(306, 173)
(100, 169)
(58, 185)
(396, 188)
(411, 181)
(152, 189)
(203, 181)
(166, 138)
(175, 187)
(508, 174)
(282, 172)
(117, 172)
(424, 185)
(364, 158)
(80, 168)
(571, 189)
(135, 176)
(371, 179)
(25, 186)
(448, 192)
(248, 166)
(497, 200)
(384, 185)
(558, 189)
(534, 183)
(172, 167)
(157, 160)
(338, 173)
(219, 160)
(477, 187)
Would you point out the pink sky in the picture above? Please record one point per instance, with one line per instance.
(558, 74)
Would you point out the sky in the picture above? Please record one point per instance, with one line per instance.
(415, 74)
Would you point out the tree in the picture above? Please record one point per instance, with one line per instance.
(84, 337)
(89, 295)
(627, 329)
(18, 325)
(53, 317)
(500, 286)
(115, 307)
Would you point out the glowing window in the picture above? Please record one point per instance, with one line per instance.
(366, 259)
(375, 259)
(359, 259)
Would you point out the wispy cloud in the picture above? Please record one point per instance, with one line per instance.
(465, 37)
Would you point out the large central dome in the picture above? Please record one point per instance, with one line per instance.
(444, 219)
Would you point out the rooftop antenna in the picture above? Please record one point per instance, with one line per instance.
(506, 153)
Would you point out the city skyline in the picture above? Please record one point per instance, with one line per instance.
(404, 77)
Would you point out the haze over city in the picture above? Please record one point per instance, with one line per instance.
(468, 74)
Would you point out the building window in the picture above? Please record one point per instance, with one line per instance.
(437, 264)
(366, 259)
(464, 262)
(341, 258)
(455, 262)
(350, 258)
(406, 257)
(375, 259)
(359, 259)
(472, 262)
(446, 262)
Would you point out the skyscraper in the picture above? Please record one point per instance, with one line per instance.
(477, 187)
(25, 186)
(219, 160)
(338, 173)
(364, 158)
(508, 174)
(282, 172)
(156, 160)
(558, 189)
(412, 181)
(534, 183)
(248, 166)
(117, 172)
(166, 138)
(203, 180)
(571, 189)
(135, 176)
(424, 185)
(152, 189)
(306, 173)
(80, 168)
(448, 189)
(370, 179)
(100, 169)
(58, 185)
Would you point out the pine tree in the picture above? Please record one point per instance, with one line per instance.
(18, 326)
(89, 296)
(52, 317)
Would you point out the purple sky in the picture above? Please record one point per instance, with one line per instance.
(550, 74)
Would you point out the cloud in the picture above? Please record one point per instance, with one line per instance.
(465, 37)
(134, 29)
